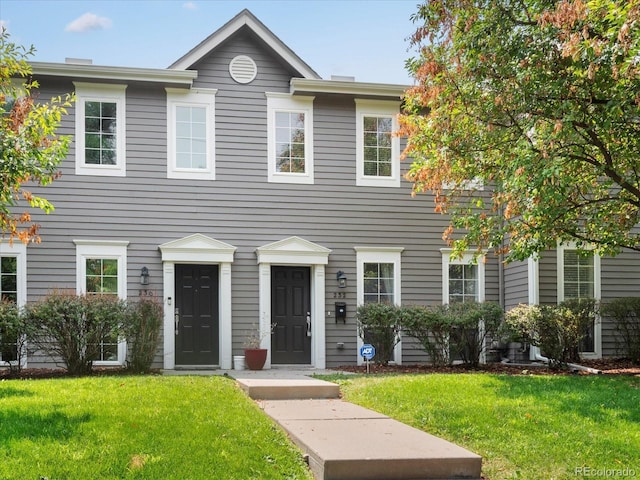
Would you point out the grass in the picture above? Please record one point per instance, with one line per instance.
(525, 427)
(139, 427)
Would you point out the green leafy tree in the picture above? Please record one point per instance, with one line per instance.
(30, 150)
(524, 122)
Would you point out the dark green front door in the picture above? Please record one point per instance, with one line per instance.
(196, 314)
(291, 312)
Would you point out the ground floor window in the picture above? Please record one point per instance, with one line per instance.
(13, 288)
(579, 277)
(101, 270)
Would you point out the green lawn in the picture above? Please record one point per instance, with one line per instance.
(525, 427)
(139, 427)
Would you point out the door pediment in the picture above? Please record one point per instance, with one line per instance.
(293, 251)
(197, 248)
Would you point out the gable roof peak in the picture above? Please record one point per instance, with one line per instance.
(245, 19)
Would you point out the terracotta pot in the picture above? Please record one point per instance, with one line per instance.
(254, 358)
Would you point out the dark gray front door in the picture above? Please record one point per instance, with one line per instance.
(290, 309)
(196, 310)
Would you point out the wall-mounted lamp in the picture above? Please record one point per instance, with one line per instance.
(342, 279)
(144, 276)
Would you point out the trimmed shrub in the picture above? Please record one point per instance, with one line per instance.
(72, 327)
(557, 329)
(431, 326)
(142, 330)
(379, 325)
(625, 313)
(12, 336)
(471, 325)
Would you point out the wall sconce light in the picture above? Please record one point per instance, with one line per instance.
(342, 279)
(144, 276)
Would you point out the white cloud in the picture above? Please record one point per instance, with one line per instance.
(88, 21)
(190, 6)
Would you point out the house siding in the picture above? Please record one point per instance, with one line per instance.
(516, 284)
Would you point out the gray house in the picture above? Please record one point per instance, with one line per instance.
(243, 191)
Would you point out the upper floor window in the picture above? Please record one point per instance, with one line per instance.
(290, 138)
(100, 129)
(462, 280)
(377, 149)
(190, 118)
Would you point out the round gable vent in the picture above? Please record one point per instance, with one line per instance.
(243, 69)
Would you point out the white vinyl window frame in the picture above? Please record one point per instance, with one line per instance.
(467, 259)
(285, 103)
(195, 98)
(380, 109)
(104, 93)
(392, 255)
(19, 251)
(597, 294)
(108, 250)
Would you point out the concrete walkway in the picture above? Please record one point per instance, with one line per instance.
(346, 441)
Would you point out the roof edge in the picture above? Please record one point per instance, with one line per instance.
(244, 18)
(98, 72)
(305, 85)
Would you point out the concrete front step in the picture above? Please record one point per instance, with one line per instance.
(288, 388)
(346, 441)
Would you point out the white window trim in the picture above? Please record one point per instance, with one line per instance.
(378, 108)
(467, 259)
(108, 249)
(199, 97)
(100, 92)
(379, 255)
(597, 294)
(283, 102)
(18, 250)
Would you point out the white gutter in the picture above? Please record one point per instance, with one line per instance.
(97, 72)
(309, 85)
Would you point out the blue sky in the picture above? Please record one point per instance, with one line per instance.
(361, 38)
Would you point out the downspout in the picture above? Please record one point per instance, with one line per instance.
(572, 366)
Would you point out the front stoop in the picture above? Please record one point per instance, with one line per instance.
(346, 441)
(288, 388)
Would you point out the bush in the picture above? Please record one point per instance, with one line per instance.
(73, 327)
(379, 324)
(431, 326)
(12, 336)
(142, 331)
(471, 325)
(625, 313)
(557, 329)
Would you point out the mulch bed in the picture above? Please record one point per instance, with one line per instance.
(606, 366)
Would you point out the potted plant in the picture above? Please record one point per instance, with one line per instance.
(254, 355)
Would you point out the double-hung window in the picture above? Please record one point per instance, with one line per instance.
(191, 147)
(378, 281)
(462, 279)
(377, 148)
(290, 138)
(101, 268)
(100, 141)
(579, 277)
(13, 287)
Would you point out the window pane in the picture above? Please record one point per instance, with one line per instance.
(385, 124)
(199, 115)
(370, 139)
(110, 266)
(8, 264)
(183, 160)
(370, 124)
(92, 109)
(183, 130)
(110, 285)
(282, 119)
(371, 270)
(199, 160)
(297, 165)
(108, 110)
(198, 146)
(385, 170)
(94, 266)
(183, 114)
(92, 124)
